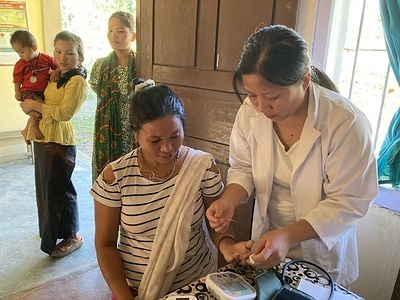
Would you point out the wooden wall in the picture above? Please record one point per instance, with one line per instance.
(194, 47)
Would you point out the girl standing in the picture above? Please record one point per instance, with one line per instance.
(109, 79)
(55, 155)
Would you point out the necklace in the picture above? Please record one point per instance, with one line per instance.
(33, 78)
(158, 177)
(35, 70)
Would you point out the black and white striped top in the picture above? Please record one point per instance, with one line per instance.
(142, 202)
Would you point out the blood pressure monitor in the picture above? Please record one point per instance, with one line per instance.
(229, 286)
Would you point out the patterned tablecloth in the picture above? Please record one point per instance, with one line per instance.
(294, 274)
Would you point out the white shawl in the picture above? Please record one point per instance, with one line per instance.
(173, 232)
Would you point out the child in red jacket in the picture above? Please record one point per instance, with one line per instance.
(31, 75)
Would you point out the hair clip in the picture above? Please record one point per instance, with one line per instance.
(145, 84)
(259, 26)
(138, 84)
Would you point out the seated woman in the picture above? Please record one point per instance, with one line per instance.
(153, 201)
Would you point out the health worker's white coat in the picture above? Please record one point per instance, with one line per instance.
(334, 178)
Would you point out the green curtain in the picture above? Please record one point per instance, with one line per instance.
(389, 154)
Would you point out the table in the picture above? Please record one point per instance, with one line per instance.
(295, 274)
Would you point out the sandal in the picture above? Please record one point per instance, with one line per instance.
(67, 246)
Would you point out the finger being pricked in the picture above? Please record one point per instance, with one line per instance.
(263, 260)
(238, 259)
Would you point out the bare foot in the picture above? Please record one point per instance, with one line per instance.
(24, 133)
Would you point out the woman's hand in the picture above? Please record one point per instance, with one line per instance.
(55, 75)
(29, 106)
(270, 249)
(220, 214)
(273, 246)
(236, 253)
(26, 105)
(35, 114)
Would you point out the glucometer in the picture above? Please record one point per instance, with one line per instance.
(229, 286)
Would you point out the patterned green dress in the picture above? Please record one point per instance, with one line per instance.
(112, 135)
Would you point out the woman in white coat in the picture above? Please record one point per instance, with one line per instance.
(307, 153)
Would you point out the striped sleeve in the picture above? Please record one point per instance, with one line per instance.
(107, 194)
(211, 184)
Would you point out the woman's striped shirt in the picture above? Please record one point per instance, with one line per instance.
(142, 202)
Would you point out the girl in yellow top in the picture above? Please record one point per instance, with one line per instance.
(55, 155)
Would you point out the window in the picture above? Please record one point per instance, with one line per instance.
(354, 56)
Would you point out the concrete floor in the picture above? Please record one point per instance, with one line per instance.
(25, 271)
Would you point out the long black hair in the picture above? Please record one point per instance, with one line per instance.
(279, 55)
(152, 103)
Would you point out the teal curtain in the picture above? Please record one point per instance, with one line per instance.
(389, 154)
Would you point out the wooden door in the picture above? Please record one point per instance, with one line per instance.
(194, 46)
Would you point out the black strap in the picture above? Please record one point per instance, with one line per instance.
(68, 75)
(294, 261)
